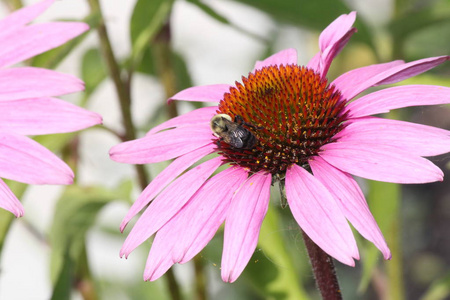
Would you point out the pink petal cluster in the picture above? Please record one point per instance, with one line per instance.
(27, 103)
(186, 211)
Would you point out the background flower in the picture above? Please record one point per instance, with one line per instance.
(27, 106)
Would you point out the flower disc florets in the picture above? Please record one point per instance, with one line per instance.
(290, 110)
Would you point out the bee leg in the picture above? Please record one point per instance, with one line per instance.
(283, 199)
(238, 119)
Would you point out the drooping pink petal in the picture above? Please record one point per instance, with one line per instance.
(195, 117)
(23, 16)
(35, 39)
(9, 201)
(319, 216)
(162, 145)
(243, 223)
(186, 234)
(168, 203)
(205, 93)
(29, 82)
(177, 167)
(331, 41)
(351, 201)
(283, 57)
(397, 74)
(380, 162)
(408, 137)
(347, 81)
(397, 97)
(24, 160)
(44, 116)
(160, 259)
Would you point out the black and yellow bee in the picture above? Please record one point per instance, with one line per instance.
(233, 132)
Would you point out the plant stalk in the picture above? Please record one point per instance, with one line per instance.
(323, 269)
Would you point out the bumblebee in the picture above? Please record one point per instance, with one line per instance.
(233, 132)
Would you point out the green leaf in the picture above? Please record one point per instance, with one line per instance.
(222, 19)
(63, 286)
(314, 15)
(55, 142)
(52, 58)
(439, 290)
(93, 70)
(413, 21)
(146, 21)
(271, 270)
(426, 79)
(75, 213)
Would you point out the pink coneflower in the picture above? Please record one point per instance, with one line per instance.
(27, 106)
(285, 123)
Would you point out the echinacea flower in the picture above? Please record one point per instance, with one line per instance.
(310, 134)
(27, 106)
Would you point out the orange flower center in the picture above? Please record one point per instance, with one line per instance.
(290, 111)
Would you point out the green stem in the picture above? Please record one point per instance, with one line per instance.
(323, 269)
(394, 267)
(124, 94)
(164, 66)
(85, 284)
(200, 279)
(122, 89)
(167, 76)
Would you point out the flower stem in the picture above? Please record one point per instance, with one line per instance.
(124, 94)
(164, 66)
(122, 88)
(200, 279)
(323, 269)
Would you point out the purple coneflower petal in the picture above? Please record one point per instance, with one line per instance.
(44, 116)
(195, 117)
(319, 216)
(188, 232)
(284, 57)
(243, 223)
(347, 81)
(331, 42)
(162, 145)
(397, 97)
(177, 167)
(160, 259)
(35, 39)
(336, 30)
(380, 162)
(35, 83)
(168, 203)
(395, 74)
(209, 214)
(23, 16)
(9, 201)
(351, 201)
(409, 137)
(25, 160)
(205, 93)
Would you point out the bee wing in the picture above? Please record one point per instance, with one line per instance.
(236, 138)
